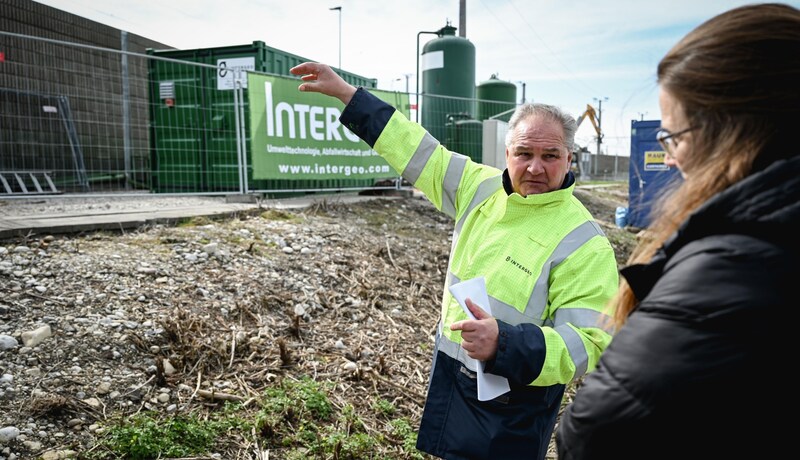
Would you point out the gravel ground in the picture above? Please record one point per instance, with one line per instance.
(105, 325)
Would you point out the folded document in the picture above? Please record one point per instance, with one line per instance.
(490, 385)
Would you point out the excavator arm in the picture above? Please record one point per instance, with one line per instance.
(591, 114)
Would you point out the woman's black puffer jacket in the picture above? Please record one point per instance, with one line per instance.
(700, 369)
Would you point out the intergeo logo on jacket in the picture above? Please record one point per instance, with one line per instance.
(518, 265)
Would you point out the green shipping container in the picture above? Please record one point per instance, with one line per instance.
(193, 121)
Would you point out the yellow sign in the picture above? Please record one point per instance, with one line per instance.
(654, 160)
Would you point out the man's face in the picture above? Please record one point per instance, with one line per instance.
(537, 158)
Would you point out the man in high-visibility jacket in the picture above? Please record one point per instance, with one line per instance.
(549, 272)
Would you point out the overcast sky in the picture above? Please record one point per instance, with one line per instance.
(568, 53)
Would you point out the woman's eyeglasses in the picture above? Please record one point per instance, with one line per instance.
(668, 140)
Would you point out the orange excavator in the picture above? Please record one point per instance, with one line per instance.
(591, 114)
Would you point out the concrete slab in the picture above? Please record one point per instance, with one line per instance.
(48, 219)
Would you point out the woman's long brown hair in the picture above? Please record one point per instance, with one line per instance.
(737, 79)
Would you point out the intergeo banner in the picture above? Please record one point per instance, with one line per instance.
(297, 135)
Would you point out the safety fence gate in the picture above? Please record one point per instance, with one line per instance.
(37, 137)
(79, 119)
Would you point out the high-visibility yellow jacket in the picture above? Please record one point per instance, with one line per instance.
(549, 272)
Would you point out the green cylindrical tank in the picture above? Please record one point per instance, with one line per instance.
(465, 136)
(495, 97)
(448, 81)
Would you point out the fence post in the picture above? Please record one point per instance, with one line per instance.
(239, 140)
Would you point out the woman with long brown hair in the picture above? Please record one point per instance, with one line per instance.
(704, 306)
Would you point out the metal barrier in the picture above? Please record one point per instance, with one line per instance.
(27, 182)
(78, 119)
(92, 120)
(77, 112)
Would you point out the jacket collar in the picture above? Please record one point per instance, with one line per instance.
(569, 180)
(763, 205)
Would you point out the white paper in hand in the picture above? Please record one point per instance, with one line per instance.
(490, 386)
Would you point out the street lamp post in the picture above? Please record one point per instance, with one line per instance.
(599, 128)
(339, 9)
(407, 75)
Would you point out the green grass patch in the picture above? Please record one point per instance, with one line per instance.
(277, 214)
(384, 407)
(198, 221)
(148, 435)
(295, 419)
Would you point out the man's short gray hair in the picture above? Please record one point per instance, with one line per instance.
(548, 111)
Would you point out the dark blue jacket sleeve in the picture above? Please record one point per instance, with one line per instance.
(520, 353)
(366, 116)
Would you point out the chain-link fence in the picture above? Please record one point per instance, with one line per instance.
(72, 117)
(78, 119)
(81, 119)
